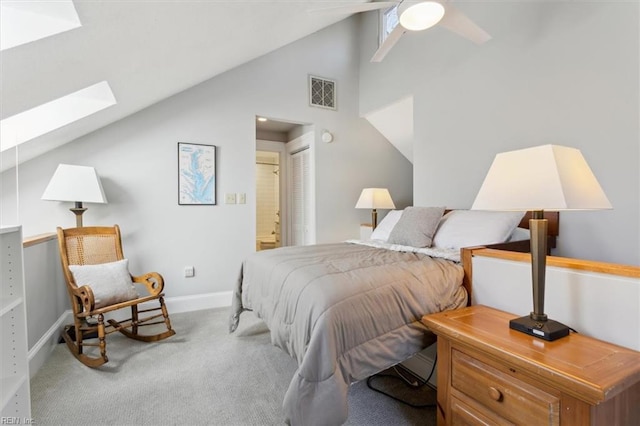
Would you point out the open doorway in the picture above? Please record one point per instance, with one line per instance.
(285, 190)
(268, 223)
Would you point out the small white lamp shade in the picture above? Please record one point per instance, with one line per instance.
(75, 183)
(79, 184)
(547, 177)
(375, 198)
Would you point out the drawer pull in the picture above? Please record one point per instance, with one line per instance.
(495, 394)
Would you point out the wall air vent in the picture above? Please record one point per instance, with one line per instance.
(322, 92)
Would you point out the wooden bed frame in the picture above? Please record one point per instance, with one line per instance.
(521, 247)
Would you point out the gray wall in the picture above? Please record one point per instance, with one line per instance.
(137, 160)
(555, 72)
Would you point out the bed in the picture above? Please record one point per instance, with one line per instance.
(349, 310)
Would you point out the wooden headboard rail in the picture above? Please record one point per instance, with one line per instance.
(467, 255)
(564, 262)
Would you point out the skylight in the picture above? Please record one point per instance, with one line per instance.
(52, 115)
(24, 21)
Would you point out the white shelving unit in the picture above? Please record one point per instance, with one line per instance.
(16, 399)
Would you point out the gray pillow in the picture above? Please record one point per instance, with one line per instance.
(416, 226)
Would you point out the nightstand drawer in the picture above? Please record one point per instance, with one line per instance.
(502, 394)
(472, 414)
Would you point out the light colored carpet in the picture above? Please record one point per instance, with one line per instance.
(200, 376)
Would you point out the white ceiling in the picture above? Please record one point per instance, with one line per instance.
(147, 50)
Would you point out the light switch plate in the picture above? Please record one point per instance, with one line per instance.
(230, 198)
(242, 198)
(189, 271)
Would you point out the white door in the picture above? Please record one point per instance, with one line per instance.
(300, 194)
(301, 191)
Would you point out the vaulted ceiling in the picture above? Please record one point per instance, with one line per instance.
(147, 50)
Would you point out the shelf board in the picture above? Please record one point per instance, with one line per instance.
(8, 303)
(8, 229)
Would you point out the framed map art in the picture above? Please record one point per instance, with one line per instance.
(196, 174)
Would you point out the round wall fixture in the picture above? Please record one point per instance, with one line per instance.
(327, 136)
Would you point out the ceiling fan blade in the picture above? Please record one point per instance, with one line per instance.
(459, 23)
(388, 43)
(356, 8)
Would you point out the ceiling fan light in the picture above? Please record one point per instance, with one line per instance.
(422, 16)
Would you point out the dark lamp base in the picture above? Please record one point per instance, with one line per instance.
(548, 330)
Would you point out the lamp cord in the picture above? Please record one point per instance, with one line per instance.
(416, 384)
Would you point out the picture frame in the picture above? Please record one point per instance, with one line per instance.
(196, 174)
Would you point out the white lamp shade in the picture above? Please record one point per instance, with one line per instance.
(547, 177)
(375, 198)
(75, 183)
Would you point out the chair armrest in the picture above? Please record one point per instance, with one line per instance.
(85, 295)
(152, 280)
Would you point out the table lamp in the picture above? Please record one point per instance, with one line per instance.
(547, 177)
(79, 184)
(375, 198)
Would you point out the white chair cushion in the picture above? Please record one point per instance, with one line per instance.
(110, 282)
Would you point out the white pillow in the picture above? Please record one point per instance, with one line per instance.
(110, 282)
(467, 228)
(384, 228)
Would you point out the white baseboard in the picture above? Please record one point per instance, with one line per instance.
(40, 352)
(198, 302)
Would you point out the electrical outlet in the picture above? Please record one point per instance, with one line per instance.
(230, 198)
(242, 198)
(189, 271)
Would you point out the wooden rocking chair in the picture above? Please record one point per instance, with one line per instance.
(102, 247)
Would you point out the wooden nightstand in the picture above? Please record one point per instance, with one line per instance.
(490, 374)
